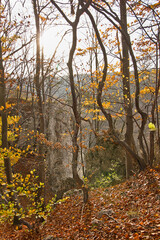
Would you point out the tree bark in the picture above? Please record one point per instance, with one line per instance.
(105, 68)
(77, 117)
(7, 162)
(126, 89)
(39, 95)
(38, 67)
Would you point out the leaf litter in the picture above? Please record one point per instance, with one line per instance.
(130, 210)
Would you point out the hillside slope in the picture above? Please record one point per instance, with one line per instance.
(130, 210)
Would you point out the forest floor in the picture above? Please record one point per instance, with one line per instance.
(130, 210)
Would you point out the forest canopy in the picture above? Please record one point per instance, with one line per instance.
(79, 82)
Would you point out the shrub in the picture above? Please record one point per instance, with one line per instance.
(26, 191)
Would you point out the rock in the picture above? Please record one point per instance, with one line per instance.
(107, 212)
(72, 192)
(59, 154)
(49, 237)
(96, 222)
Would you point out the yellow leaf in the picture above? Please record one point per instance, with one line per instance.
(42, 18)
(152, 127)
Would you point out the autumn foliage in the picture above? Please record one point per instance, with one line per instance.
(129, 210)
(112, 86)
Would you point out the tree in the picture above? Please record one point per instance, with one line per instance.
(126, 89)
(80, 10)
(123, 113)
(114, 19)
(38, 90)
(7, 162)
(38, 64)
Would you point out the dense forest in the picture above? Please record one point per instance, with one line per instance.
(79, 119)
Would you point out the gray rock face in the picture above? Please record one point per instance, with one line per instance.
(58, 128)
(59, 157)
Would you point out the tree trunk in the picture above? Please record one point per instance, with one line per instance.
(38, 91)
(38, 66)
(126, 89)
(7, 162)
(77, 118)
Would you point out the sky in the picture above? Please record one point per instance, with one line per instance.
(51, 37)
